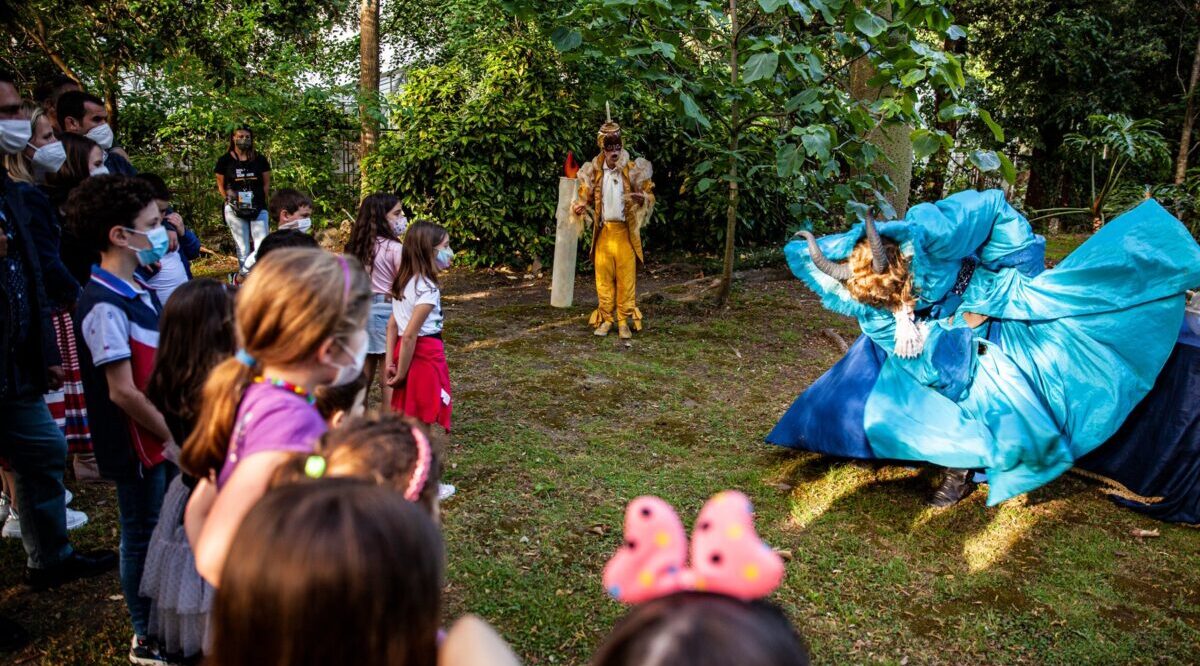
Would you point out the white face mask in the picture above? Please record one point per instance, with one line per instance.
(99, 171)
(14, 134)
(49, 158)
(348, 373)
(102, 134)
(303, 224)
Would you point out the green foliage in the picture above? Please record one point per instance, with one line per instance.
(479, 142)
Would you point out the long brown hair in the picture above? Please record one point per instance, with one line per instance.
(195, 333)
(77, 167)
(333, 572)
(251, 153)
(378, 448)
(702, 629)
(370, 225)
(889, 290)
(293, 301)
(419, 254)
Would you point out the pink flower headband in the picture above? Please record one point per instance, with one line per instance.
(727, 556)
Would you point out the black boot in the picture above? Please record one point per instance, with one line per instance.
(956, 485)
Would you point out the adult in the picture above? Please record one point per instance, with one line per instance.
(244, 180)
(972, 355)
(47, 93)
(83, 159)
(84, 114)
(29, 363)
(620, 193)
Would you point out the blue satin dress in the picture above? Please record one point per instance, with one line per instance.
(1065, 355)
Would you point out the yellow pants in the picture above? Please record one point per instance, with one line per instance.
(616, 277)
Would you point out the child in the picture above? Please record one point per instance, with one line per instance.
(416, 358)
(704, 612)
(196, 334)
(175, 268)
(375, 240)
(337, 403)
(301, 318)
(117, 319)
(384, 449)
(291, 210)
(336, 571)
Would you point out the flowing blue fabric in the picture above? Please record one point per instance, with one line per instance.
(1065, 357)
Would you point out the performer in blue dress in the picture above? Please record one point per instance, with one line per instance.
(974, 358)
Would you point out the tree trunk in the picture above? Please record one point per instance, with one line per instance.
(893, 139)
(1189, 117)
(110, 86)
(368, 83)
(734, 130)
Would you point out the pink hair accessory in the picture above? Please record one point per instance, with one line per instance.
(416, 483)
(727, 557)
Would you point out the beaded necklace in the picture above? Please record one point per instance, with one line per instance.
(288, 386)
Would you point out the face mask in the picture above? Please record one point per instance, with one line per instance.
(348, 373)
(303, 224)
(99, 171)
(50, 157)
(400, 226)
(14, 134)
(102, 134)
(158, 245)
(242, 143)
(444, 257)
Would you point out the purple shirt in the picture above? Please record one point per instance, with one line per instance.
(271, 419)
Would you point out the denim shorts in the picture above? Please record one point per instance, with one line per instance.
(381, 309)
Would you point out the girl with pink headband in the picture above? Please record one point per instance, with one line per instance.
(699, 604)
(301, 323)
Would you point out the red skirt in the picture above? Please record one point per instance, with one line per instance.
(425, 393)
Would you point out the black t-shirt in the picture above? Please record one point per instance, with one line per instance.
(245, 177)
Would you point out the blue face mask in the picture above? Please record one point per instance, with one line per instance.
(158, 245)
(444, 257)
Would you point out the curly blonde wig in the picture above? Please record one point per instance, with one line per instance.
(890, 290)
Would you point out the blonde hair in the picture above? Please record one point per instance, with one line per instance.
(19, 167)
(293, 302)
(891, 289)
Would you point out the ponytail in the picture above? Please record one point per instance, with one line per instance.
(204, 452)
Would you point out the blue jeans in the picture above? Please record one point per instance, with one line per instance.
(139, 503)
(37, 451)
(248, 234)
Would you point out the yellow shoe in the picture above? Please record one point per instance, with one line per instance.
(624, 332)
(603, 329)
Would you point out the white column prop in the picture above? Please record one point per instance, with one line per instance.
(566, 248)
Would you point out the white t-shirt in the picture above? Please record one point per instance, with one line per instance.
(419, 291)
(614, 195)
(169, 277)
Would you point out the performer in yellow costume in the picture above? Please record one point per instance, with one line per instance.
(621, 196)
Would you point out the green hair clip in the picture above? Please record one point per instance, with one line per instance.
(314, 467)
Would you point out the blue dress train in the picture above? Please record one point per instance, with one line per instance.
(1065, 355)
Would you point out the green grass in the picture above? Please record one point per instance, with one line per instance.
(555, 430)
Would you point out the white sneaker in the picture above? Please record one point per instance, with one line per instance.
(76, 519)
(12, 525)
(5, 506)
(445, 491)
(68, 496)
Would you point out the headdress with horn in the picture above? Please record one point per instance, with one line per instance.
(609, 132)
(839, 271)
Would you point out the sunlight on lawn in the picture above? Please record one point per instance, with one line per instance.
(812, 499)
(992, 544)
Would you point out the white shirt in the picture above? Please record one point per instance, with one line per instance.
(169, 277)
(418, 291)
(614, 195)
